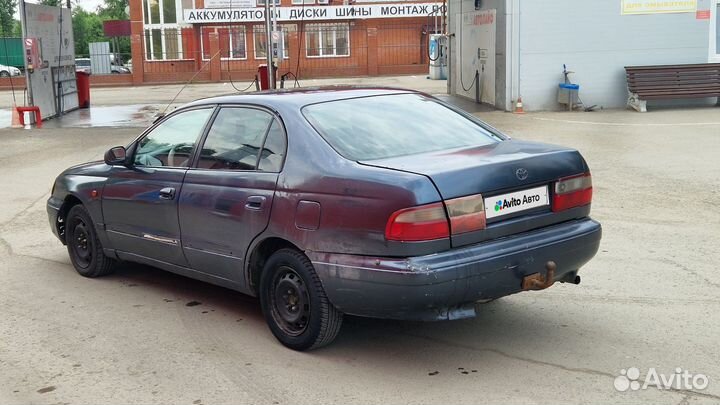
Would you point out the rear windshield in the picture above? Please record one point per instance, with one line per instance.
(386, 126)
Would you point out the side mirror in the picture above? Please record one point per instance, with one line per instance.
(116, 156)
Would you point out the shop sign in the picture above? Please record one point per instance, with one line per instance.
(310, 13)
(630, 7)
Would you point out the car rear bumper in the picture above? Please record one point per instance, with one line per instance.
(447, 285)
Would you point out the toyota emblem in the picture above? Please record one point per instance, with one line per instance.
(521, 173)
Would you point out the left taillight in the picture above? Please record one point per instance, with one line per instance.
(570, 192)
(429, 222)
(425, 222)
(467, 214)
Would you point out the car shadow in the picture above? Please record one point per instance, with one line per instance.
(498, 324)
(171, 287)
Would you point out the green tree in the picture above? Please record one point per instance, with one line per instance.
(53, 3)
(17, 29)
(7, 19)
(114, 10)
(87, 28)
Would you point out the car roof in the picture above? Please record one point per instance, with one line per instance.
(299, 97)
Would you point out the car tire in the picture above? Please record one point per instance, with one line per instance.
(4, 74)
(84, 247)
(294, 302)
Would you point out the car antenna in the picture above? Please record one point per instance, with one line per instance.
(162, 114)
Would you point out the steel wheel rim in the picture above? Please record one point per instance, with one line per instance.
(289, 301)
(81, 244)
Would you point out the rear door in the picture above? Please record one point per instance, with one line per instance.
(140, 202)
(226, 197)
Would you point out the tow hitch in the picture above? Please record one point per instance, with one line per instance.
(536, 281)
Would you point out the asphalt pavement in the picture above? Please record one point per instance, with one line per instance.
(649, 300)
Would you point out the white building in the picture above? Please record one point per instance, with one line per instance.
(518, 47)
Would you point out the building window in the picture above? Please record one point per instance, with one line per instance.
(327, 40)
(154, 6)
(232, 42)
(261, 42)
(163, 43)
(169, 12)
(301, 1)
(163, 39)
(160, 12)
(262, 2)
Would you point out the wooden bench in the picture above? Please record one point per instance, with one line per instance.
(671, 82)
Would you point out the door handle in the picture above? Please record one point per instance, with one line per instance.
(255, 202)
(167, 193)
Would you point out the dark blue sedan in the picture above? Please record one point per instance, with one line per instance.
(375, 202)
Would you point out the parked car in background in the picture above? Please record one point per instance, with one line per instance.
(9, 71)
(85, 65)
(119, 69)
(375, 202)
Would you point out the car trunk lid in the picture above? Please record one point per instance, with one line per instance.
(500, 169)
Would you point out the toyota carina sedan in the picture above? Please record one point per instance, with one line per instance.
(376, 202)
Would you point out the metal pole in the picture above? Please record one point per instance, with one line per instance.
(477, 86)
(275, 26)
(274, 16)
(268, 46)
(23, 26)
(442, 18)
(58, 70)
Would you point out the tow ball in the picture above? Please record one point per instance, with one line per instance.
(536, 281)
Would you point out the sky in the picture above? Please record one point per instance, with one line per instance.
(89, 5)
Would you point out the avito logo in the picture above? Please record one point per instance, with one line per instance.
(516, 202)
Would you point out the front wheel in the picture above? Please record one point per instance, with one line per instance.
(294, 302)
(86, 252)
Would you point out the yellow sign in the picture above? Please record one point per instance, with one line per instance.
(658, 6)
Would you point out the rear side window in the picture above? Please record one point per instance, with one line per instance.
(235, 139)
(273, 152)
(393, 125)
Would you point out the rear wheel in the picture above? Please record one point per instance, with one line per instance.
(84, 247)
(4, 74)
(294, 302)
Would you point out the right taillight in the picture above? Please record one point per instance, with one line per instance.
(572, 192)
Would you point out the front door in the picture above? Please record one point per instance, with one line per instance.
(226, 197)
(140, 202)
